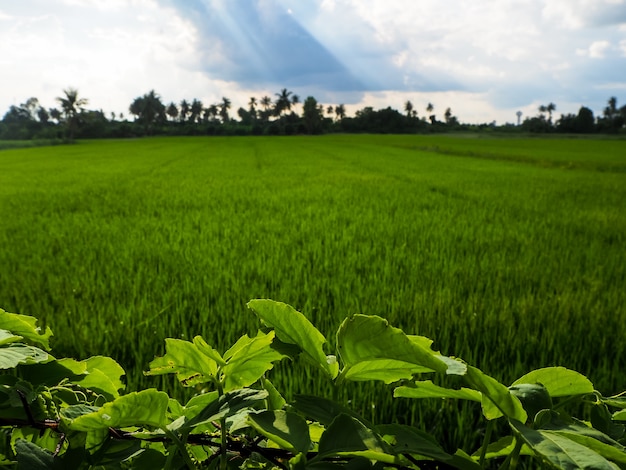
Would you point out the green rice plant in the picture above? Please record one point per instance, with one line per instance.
(508, 251)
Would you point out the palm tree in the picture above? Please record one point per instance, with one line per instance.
(213, 110)
(340, 111)
(266, 102)
(71, 104)
(295, 99)
(184, 110)
(195, 110)
(283, 102)
(224, 107)
(252, 107)
(550, 108)
(408, 107)
(330, 109)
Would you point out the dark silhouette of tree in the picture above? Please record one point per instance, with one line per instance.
(71, 104)
(408, 108)
(429, 109)
(172, 111)
(195, 110)
(340, 112)
(224, 107)
(312, 115)
(252, 107)
(185, 109)
(213, 111)
(283, 102)
(55, 114)
(148, 110)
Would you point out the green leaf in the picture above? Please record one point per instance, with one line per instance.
(286, 429)
(26, 327)
(227, 405)
(32, 457)
(293, 327)
(323, 410)
(252, 358)
(497, 399)
(187, 361)
(347, 436)
(145, 408)
(275, 399)
(409, 440)
(368, 339)
(502, 448)
(17, 353)
(387, 370)
(208, 351)
(6, 337)
(560, 451)
(107, 367)
(427, 389)
(558, 381)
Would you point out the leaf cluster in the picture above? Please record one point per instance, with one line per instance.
(63, 413)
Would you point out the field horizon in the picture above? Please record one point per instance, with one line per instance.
(509, 253)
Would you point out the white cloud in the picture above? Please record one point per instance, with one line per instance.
(597, 50)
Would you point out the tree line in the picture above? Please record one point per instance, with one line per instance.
(283, 114)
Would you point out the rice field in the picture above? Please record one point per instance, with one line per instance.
(509, 253)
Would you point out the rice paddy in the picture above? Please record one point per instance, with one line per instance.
(509, 253)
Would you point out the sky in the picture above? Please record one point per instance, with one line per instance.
(484, 59)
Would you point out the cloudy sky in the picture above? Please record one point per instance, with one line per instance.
(485, 59)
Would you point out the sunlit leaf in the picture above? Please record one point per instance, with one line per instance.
(288, 430)
(365, 339)
(497, 399)
(252, 358)
(293, 327)
(427, 389)
(558, 381)
(145, 408)
(187, 361)
(26, 327)
(15, 354)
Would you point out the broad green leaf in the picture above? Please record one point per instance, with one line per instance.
(227, 405)
(293, 327)
(145, 408)
(387, 370)
(363, 339)
(248, 363)
(409, 440)
(608, 451)
(619, 415)
(187, 361)
(502, 448)
(208, 351)
(15, 354)
(347, 436)
(560, 451)
(558, 381)
(580, 432)
(25, 326)
(323, 410)
(32, 457)
(275, 399)
(288, 430)
(427, 389)
(53, 372)
(497, 399)
(6, 337)
(108, 367)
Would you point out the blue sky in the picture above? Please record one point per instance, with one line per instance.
(482, 58)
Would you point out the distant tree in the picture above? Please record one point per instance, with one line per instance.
(148, 110)
(283, 102)
(312, 115)
(43, 115)
(172, 111)
(213, 111)
(330, 110)
(408, 108)
(195, 110)
(55, 114)
(252, 107)
(295, 99)
(340, 112)
(185, 109)
(224, 107)
(613, 118)
(550, 108)
(71, 104)
(429, 109)
(447, 115)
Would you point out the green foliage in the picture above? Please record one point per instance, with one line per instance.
(70, 414)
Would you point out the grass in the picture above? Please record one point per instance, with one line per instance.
(508, 252)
